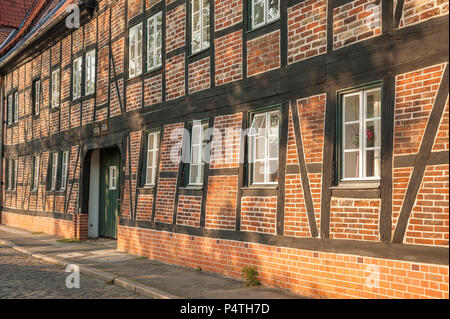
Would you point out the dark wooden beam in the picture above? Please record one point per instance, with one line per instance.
(303, 171)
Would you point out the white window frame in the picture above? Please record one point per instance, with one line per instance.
(202, 11)
(37, 97)
(76, 79)
(200, 143)
(10, 161)
(10, 109)
(64, 168)
(16, 107)
(152, 158)
(252, 147)
(113, 178)
(135, 55)
(90, 73)
(54, 171)
(16, 170)
(152, 46)
(362, 122)
(266, 20)
(55, 88)
(36, 172)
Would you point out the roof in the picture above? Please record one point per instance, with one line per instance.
(41, 14)
(12, 12)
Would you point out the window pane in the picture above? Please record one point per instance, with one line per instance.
(274, 122)
(372, 133)
(273, 10)
(351, 164)
(260, 148)
(351, 136)
(205, 37)
(351, 104)
(273, 171)
(149, 175)
(196, 5)
(194, 175)
(257, 123)
(373, 104)
(373, 163)
(195, 154)
(258, 12)
(273, 147)
(158, 57)
(258, 172)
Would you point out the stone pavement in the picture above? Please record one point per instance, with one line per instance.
(151, 278)
(23, 277)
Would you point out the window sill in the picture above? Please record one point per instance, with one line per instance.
(88, 96)
(363, 190)
(260, 190)
(260, 187)
(262, 25)
(358, 185)
(146, 190)
(154, 70)
(192, 187)
(192, 55)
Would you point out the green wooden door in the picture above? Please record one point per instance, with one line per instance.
(109, 193)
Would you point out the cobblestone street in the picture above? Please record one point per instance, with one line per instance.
(22, 276)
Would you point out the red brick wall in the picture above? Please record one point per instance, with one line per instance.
(354, 219)
(227, 13)
(199, 75)
(171, 147)
(188, 210)
(151, 3)
(309, 273)
(259, 214)
(175, 86)
(228, 58)
(134, 96)
(225, 147)
(87, 112)
(144, 207)
(441, 143)
(165, 200)
(135, 7)
(428, 224)
(296, 221)
(59, 227)
(175, 27)
(221, 202)
(414, 98)
(356, 21)
(153, 90)
(307, 30)
(131, 160)
(90, 33)
(417, 11)
(263, 53)
(102, 69)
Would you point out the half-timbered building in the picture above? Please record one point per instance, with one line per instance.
(306, 138)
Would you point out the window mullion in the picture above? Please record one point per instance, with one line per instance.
(362, 138)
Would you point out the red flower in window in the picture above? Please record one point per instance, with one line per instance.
(369, 134)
